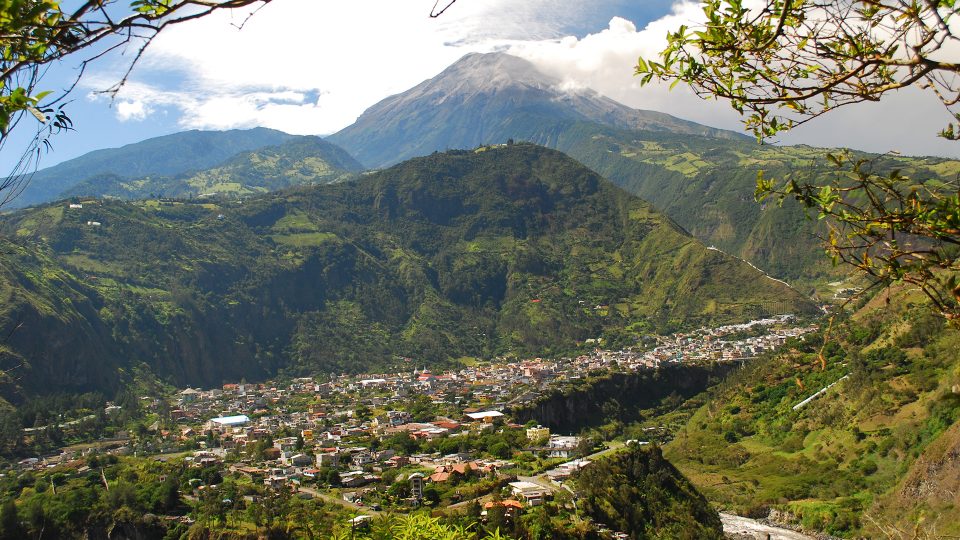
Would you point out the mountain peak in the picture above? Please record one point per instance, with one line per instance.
(496, 70)
(489, 98)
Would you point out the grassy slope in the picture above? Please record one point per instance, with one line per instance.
(839, 463)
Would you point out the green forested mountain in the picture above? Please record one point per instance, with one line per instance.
(874, 456)
(511, 249)
(300, 160)
(637, 490)
(168, 155)
(702, 178)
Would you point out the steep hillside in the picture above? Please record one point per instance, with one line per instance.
(514, 249)
(873, 452)
(702, 178)
(707, 186)
(164, 156)
(639, 491)
(299, 161)
(926, 497)
(53, 333)
(617, 397)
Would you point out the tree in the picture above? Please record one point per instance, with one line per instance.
(10, 527)
(36, 33)
(790, 61)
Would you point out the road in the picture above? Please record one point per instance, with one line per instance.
(339, 500)
(733, 524)
(63, 425)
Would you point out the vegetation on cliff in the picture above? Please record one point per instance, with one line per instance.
(844, 461)
(640, 492)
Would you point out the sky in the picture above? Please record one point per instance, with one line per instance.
(313, 66)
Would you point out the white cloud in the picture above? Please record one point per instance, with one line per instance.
(339, 58)
(906, 121)
(605, 62)
(132, 110)
(311, 67)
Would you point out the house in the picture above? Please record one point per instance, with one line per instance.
(362, 458)
(356, 479)
(440, 477)
(286, 444)
(398, 461)
(443, 473)
(299, 460)
(538, 433)
(562, 446)
(487, 417)
(275, 482)
(328, 457)
(510, 506)
(563, 471)
(384, 455)
(416, 486)
(530, 493)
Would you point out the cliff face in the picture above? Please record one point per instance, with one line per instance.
(619, 396)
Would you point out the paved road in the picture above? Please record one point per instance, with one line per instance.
(733, 524)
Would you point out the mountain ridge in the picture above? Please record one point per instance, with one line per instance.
(504, 250)
(164, 155)
(702, 178)
(296, 161)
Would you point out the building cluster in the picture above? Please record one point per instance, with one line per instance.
(725, 343)
(342, 431)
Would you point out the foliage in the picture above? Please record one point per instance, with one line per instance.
(807, 58)
(639, 492)
(554, 255)
(416, 527)
(891, 228)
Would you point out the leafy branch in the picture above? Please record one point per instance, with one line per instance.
(36, 33)
(890, 227)
(794, 60)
